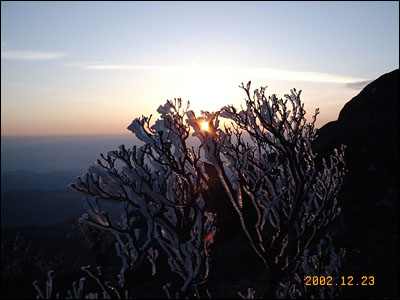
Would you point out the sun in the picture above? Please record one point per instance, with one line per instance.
(204, 126)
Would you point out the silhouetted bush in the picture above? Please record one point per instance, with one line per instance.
(245, 213)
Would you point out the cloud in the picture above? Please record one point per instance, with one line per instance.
(30, 55)
(358, 85)
(278, 74)
(119, 67)
(255, 73)
(84, 65)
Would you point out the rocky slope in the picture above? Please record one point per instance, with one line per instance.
(369, 126)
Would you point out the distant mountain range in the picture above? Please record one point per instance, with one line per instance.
(30, 198)
(27, 179)
(39, 207)
(40, 199)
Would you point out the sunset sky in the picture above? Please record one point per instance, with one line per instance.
(91, 67)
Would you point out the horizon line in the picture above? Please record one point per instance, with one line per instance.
(66, 135)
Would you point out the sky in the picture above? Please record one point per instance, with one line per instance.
(77, 68)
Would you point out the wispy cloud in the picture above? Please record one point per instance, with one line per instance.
(279, 74)
(358, 85)
(121, 67)
(254, 73)
(84, 65)
(30, 55)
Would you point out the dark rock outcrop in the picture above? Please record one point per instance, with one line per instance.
(369, 126)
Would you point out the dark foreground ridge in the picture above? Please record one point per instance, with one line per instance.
(369, 125)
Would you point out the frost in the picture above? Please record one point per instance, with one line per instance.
(264, 161)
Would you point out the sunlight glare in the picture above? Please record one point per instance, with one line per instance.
(204, 126)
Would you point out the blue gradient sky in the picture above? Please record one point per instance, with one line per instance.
(91, 67)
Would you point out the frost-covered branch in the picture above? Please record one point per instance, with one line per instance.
(157, 187)
(152, 196)
(268, 156)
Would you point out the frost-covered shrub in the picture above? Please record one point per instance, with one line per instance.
(274, 170)
(152, 197)
(157, 188)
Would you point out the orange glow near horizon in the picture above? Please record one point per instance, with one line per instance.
(97, 115)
